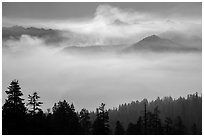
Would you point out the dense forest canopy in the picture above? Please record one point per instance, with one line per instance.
(161, 116)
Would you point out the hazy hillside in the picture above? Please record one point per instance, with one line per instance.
(15, 32)
(150, 43)
(155, 43)
(189, 109)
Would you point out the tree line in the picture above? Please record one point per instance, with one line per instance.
(188, 110)
(19, 118)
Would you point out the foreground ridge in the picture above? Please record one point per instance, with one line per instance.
(161, 116)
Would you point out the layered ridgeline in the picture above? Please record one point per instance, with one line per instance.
(76, 43)
(15, 32)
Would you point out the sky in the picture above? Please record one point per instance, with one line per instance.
(47, 11)
(108, 20)
(88, 80)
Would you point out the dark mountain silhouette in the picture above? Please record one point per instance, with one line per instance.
(155, 43)
(15, 32)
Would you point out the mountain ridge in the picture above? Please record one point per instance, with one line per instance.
(156, 43)
(149, 43)
(15, 32)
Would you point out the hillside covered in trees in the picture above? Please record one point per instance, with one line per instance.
(162, 116)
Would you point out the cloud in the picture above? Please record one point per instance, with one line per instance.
(114, 24)
(109, 14)
(25, 43)
(89, 80)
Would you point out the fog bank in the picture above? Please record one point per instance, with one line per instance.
(88, 80)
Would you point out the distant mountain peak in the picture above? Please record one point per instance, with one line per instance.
(151, 38)
(155, 43)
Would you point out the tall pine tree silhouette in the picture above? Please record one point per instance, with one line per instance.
(14, 110)
(85, 121)
(33, 101)
(65, 119)
(145, 118)
(100, 125)
(139, 126)
(36, 117)
(157, 122)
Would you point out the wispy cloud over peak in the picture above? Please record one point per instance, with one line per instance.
(110, 14)
(111, 22)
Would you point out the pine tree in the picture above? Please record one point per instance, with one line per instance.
(139, 126)
(65, 119)
(150, 123)
(131, 130)
(168, 126)
(179, 127)
(157, 122)
(145, 118)
(14, 110)
(100, 125)
(36, 116)
(85, 121)
(119, 130)
(34, 103)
